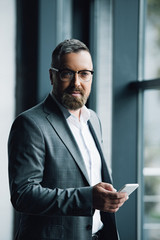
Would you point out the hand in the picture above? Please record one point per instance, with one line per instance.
(106, 199)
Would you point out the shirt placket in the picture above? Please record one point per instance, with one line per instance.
(84, 137)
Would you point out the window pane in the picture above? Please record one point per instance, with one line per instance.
(151, 169)
(7, 107)
(152, 212)
(152, 185)
(152, 234)
(152, 129)
(152, 40)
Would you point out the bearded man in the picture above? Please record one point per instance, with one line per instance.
(59, 180)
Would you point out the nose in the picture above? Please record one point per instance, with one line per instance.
(76, 81)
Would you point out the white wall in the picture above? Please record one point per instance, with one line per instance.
(7, 102)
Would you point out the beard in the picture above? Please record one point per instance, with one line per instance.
(72, 102)
(68, 100)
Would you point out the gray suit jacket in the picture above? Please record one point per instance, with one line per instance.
(49, 184)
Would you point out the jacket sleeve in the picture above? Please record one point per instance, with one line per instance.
(26, 153)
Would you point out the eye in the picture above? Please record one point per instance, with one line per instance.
(84, 73)
(66, 74)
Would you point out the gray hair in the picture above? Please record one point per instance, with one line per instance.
(67, 46)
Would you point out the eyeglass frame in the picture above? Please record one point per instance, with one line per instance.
(74, 72)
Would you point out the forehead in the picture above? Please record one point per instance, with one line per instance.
(77, 61)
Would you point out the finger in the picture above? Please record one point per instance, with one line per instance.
(117, 201)
(114, 203)
(117, 195)
(108, 187)
(112, 208)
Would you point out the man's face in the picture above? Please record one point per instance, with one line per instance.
(73, 94)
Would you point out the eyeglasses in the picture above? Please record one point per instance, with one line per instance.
(68, 75)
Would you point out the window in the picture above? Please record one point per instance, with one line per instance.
(151, 151)
(7, 107)
(152, 40)
(122, 54)
(151, 170)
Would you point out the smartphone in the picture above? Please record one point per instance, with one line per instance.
(129, 188)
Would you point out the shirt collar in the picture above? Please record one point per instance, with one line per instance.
(85, 114)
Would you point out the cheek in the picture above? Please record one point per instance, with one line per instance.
(87, 88)
(63, 86)
(60, 86)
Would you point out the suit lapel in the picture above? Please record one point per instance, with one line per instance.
(60, 126)
(96, 135)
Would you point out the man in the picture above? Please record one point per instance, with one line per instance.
(59, 180)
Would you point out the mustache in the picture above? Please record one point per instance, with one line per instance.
(74, 89)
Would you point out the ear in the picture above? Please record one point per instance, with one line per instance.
(51, 76)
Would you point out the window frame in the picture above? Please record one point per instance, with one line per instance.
(125, 110)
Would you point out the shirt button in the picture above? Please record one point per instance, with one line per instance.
(89, 227)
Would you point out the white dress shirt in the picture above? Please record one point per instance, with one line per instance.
(88, 149)
(90, 154)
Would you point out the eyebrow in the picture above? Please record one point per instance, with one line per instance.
(74, 70)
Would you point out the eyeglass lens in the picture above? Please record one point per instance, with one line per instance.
(67, 75)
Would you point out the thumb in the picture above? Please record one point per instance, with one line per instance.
(108, 187)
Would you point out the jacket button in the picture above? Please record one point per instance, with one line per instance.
(89, 227)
